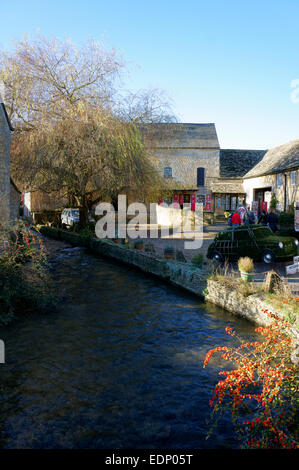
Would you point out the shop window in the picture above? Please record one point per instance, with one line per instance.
(233, 203)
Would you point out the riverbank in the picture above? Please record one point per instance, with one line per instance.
(118, 364)
(184, 275)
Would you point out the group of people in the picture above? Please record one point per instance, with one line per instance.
(247, 217)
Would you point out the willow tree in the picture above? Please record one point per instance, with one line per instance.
(88, 155)
(72, 133)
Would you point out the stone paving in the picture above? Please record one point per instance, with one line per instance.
(209, 232)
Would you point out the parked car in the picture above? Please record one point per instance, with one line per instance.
(256, 241)
(69, 217)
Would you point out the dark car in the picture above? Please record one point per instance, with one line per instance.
(256, 241)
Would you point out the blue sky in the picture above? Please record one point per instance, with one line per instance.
(223, 61)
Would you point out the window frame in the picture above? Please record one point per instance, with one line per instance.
(279, 180)
(169, 175)
(293, 178)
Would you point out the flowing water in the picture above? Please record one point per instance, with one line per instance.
(117, 365)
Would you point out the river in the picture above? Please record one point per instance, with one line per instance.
(117, 365)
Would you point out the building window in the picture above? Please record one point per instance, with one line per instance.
(200, 177)
(279, 180)
(293, 178)
(167, 172)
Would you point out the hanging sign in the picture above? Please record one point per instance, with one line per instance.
(176, 200)
(208, 206)
(193, 200)
(208, 197)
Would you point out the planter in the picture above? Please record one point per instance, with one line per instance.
(139, 247)
(247, 276)
(169, 252)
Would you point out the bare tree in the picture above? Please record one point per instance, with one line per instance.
(41, 76)
(72, 134)
(89, 155)
(146, 106)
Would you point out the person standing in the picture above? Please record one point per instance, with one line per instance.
(273, 220)
(263, 218)
(236, 219)
(249, 217)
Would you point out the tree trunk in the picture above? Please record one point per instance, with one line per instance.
(83, 213)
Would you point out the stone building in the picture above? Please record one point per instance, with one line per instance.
(9, 194)
(228, 192)
(277, 172)
(190, 156)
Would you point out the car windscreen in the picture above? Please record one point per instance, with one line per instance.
(75, 213)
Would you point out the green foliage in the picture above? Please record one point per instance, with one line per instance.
(149, 248)
(274, 201)
(169, 250)
(286, 219)
(179, 256)
(198, 259)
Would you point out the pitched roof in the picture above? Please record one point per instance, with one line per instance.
(281, 158)
(227, 188)
(236, 163)
(13, 184)
(180, 135)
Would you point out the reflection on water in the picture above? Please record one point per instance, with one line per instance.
(119, 365)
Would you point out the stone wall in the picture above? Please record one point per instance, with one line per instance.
(184, 164)
(249, 307)
(4, 166)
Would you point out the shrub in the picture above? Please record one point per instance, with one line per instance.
(274, 201)
(246, 265)
(198, 259)
(286, 219)
(23, 273)
(169, 250)
(260, 390)
(149, 248)
(138, 243)
(179, 256)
